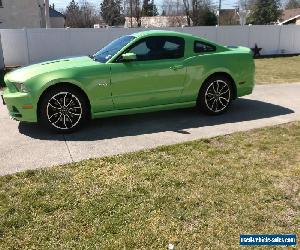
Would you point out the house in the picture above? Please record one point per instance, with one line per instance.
(18, 14)
(57, 19)
(291, 16)
(157, 21)
(100, 24)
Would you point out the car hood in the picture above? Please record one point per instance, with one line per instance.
(25, 73)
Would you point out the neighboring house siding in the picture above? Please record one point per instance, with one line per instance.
(57, 22)
(19, 14)
(57, 19)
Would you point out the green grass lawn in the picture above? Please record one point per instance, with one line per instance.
(277, 70)
(196, 195)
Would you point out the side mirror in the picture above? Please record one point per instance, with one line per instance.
(128, 57)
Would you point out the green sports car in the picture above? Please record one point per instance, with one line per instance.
(142, 72)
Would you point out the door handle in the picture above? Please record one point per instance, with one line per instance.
(176, 67)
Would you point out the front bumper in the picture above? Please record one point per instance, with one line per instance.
(20, 105)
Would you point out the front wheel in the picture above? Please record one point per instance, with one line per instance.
(63, 109)
(215, 96)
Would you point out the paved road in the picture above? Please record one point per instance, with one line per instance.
(27, 146)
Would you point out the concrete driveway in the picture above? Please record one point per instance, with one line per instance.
(27, 146)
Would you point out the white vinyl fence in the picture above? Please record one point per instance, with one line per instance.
(26, 46)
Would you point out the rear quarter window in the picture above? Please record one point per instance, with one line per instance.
(200, 47)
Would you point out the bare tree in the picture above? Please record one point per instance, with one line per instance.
(186, 4)
(133, 9)
(137, 11)
(173, 7)
(72, 14)
(80, 15)
(88, 14)
(200, 12)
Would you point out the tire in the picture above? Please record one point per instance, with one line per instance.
(215, 96)
(63, 109)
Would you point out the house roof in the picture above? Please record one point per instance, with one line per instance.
(55, 13)
(290, 19)
(291, 13)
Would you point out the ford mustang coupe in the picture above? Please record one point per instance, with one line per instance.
(142, 72)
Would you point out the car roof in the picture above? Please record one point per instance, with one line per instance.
(173, 33)
(162, 33)
(188, 37)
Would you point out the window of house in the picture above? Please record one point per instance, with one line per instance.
(203, 47)
(158, 47)
(1, 4)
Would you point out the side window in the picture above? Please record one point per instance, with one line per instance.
(159, 47)
(203, 47)
(140, 49)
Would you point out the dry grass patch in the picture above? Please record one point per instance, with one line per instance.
(277, 70)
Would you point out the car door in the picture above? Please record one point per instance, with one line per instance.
(156, 77)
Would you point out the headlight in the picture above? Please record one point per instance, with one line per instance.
(21, 87)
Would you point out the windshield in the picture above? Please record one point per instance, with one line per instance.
(113, 48)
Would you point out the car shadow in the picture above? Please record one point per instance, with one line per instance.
(148, 123)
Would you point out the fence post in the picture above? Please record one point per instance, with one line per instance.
(1, 55)
(217, 33)
(294, 50)
(279, 50)
(27, 46)
(70, 31)
(249, 30)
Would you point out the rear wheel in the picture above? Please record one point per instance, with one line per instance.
(215, 95)
(63, 109)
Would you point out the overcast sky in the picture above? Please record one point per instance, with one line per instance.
(61, 4)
